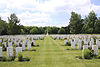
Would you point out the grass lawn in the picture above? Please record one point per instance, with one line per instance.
(52, 53)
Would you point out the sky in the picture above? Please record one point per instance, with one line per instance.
(47, 12)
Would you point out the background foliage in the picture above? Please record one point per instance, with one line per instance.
(89, 25)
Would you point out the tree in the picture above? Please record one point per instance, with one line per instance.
(61, 31)
(40, 30)
(89, 23)
(67, 29)
(75, 23)
(3, 27)
(97, 26)
(22, 31)
(13, 25)
(55, 30)
(34, 31)
(48, 29)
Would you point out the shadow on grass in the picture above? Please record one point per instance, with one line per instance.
(64, 45)
(35, 45)
(30, 50)
(72, 49)
(80, 57)
(24, 59)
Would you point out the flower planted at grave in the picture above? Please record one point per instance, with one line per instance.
(86, 54)
(92, 53)
(20, 56)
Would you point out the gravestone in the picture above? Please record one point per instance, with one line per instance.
(18, 49)
(23, 46)
(91, 43)
(79, 45)
(92, 40)
(9, 51)
(85, 47)
(97, 41)
(4, 44)
(0, 40)
(28, 45)
(65, 41)
(1, 52)
(9, 44)
(86, 42)
(72, 44)
(17, 44)
(95, 48)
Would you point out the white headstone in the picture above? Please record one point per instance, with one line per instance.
(9, 44)
(85, 47)
(23, 46)
(97, 41)
(91, 43)
(1, 52)
(79, 45)
(95, 48)
(29, 45)
(86, 42)
(18, 49)
(4, 43)
(65, 41)
(9, 51)
(0, 40)
(73, 45)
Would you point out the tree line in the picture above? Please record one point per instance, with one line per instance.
(89, 25)
(13, 27)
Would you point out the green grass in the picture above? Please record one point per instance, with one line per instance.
(52, 53)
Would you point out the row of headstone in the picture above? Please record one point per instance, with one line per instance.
(20, 38)
(23, 45)
(17, 40)
(87, 41)
(10, 51)
(94, 48)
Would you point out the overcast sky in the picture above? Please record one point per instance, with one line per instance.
(47, 12)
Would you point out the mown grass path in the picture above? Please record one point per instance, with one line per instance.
(52, 53)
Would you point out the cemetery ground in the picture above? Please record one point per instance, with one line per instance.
(52, 53)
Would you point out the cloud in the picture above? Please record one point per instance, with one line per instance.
(39, 12)
(34, 18)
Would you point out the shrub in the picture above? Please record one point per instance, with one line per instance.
(92, 53)
(9, 59)
(14, 45)
(82, 43)
(68, 44)
(86, 54)
(14, 54)
(3, 59)
(20, 56)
